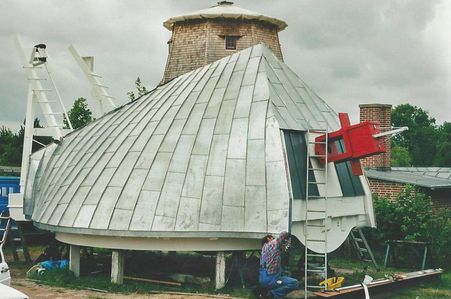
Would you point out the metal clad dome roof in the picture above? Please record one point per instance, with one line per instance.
(201, 155)
(226, 10)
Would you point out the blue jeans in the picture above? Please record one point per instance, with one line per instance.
(279, 285)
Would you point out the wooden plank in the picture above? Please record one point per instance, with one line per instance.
(398, 279)
(170, 283)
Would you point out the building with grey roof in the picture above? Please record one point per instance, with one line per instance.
(213, 159)
(389, 181)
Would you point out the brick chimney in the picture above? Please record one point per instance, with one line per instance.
(382, 114)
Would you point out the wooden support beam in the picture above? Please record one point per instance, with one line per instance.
(117, 267)
(220, 270)
(74, 259)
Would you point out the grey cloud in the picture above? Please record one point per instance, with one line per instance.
(350, 52)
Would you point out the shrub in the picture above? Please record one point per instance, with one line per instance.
(410, 217)
(440, 235)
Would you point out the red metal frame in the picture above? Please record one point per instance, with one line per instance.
(358, 141)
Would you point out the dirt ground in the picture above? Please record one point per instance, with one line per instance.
(39, 291)
(36, 290)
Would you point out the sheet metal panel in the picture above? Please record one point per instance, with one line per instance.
(234, 86)
(215, 103)
(74, 206)
(243, 104)
(131, 190)
(211, 205)
(255, 163)
(277, 187)
(170, 195)
(144, 212)
(226, 73)
(251, 71)
(150, 151)
(243, 60)
(255, 209)
(157, 173)
(218, 155)
(193, 123)
(194, 180)
(120, 219)
(238, 139)
(188, 214)
(232, 219)
(180, 158)
(84, 216)
(162, 223)
(124, 170)
(204, 137)
(224, 121)
(99, 184)
(277, 221)
(172, 136)
(234, 182)
(255, 219)
(102, 216)
(261, 92)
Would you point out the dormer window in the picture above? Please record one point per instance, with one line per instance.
(230, 42)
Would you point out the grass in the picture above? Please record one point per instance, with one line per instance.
(65, 278)
(438, 289)
(432, 290)
(159, 265)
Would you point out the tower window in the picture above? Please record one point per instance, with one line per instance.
(230, 42)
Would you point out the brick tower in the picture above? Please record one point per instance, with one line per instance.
(381, 113)
(204, 36)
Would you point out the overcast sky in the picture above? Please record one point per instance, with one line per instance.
(349, 52)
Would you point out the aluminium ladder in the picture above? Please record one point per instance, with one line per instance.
(361, 246)
(11, 233)
(5, 223)
(315, 226)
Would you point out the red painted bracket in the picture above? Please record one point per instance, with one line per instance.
(351, 143)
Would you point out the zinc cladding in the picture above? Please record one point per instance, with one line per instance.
(202, 153)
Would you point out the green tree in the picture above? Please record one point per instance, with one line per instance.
(443, 156)
(421, 138)
(79, 114)
(400, 156)
(140, 89)
(10, 148)
(11, 144)
(40, 139)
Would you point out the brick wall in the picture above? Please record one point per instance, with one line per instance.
(385, 189)
(440, 198)
(381, 113)
(200, 42)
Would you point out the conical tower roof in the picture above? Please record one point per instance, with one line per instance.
(226, 10)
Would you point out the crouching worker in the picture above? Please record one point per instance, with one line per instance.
(271, 276)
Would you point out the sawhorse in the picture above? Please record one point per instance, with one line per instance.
(413, 244)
